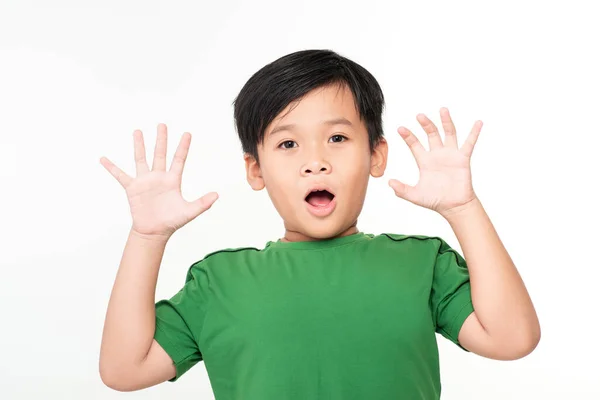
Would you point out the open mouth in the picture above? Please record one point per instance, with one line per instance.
(319, 198)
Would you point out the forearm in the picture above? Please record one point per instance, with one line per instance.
(130, 318)
(500, 299)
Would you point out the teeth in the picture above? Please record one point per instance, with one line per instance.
(320, 190)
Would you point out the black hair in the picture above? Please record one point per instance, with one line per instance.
(287, 79)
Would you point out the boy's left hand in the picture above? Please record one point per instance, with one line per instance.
(444, 184)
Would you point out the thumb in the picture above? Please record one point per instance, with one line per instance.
(202, 204)
(403, 190)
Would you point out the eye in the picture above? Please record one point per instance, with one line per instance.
(288, 144)
(338, 138)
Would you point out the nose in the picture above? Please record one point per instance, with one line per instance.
(316, 166)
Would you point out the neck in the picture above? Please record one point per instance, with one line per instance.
(295, 236)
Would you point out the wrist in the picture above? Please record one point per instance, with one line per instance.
(461, 210)
(156, 238)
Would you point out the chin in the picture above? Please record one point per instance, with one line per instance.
(322, 232)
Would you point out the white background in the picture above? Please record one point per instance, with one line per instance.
(76, 78)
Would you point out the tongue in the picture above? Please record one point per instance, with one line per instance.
(319, 199)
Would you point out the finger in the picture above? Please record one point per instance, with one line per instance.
(412, 141)
(141, 166)
(435, 141)
(160, 150)
(449, 129)
(197, 207)
(469, 144)
(404, 191)
(115, 171)
(181, 154)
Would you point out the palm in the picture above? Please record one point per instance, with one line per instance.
(157, 206)
(444, 171)
(157, 197)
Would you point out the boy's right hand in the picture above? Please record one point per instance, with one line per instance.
(157, 207)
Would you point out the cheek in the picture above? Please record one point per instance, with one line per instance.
(277, 174)
(354, 166)
(353, 173)
(281, 183)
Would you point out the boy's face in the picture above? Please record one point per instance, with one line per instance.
(320, 145)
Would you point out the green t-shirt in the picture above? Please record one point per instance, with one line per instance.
(347, 318)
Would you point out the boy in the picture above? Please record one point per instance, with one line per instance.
(325, 312)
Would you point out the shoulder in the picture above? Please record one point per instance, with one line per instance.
(229, 253)
(412, 241)
(422, 247)
(217, 262)
(225, 256)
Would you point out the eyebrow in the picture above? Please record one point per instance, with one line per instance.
(331, 122)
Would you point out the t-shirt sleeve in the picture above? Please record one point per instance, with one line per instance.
(179, 320)
(451, 302)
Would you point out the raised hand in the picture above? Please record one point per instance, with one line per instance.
(444, 171)
(157, 206)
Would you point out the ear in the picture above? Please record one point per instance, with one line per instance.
(379, 158)
(253, 172)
